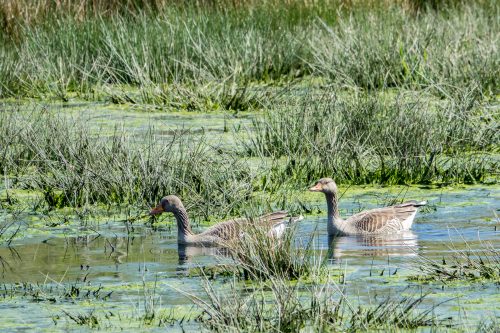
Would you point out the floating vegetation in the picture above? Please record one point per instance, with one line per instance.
(463, 265)
(237, 105)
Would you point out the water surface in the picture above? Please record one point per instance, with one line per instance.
(128, 264)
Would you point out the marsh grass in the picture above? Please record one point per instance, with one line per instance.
(260, 255)
(375, 138)
(74, 164)
(280, 305)
(465, 264)
(84, 319)
(148, 311)
(488, 325)
(54, 292)
(11, 224)
(61, 50)
(292, 289)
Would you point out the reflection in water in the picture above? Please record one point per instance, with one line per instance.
(125, 258)
(188, 252)
(121, 261)
(400, 244)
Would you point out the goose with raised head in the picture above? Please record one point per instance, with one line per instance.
(384, 220)
(224, 232)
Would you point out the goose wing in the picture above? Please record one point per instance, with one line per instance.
(381, 219)
(233, 228)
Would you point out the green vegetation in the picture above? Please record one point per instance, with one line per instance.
(259, 256)
(463, 265)
(318, 304)
(292, 289)
(368, 92)
(72, 165)
(195, 54)
(49, 292)
(394, 93)
(368, 138)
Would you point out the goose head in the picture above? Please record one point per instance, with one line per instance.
(170, 203)
(325, 185)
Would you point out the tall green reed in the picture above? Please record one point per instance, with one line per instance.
(359, 45)
(73, 163)
(368, 138)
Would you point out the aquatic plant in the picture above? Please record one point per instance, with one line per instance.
(260, 256)
(292, 289)
(465, 264)
(52, 291)
(316, 305)
(59, 48)
(84, 319)
(488, 325)
(74, 164)
(369, 138)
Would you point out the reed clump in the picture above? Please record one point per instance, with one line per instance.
(73, 164)
(375, 138)
(262, 255)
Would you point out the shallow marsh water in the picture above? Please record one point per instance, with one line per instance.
(119, 271)
(133, 267)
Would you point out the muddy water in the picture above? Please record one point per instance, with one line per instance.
(131, 265)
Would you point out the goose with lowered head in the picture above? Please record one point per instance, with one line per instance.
(223, 232)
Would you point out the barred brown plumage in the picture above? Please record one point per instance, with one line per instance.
(375, 221)
(222, 233)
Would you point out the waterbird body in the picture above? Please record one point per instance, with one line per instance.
(224, 232)
(384, 220)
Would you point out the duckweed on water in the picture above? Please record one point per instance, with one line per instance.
(401, 92)
(463, 265)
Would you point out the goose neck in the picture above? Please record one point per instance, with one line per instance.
(333, 212)
(183, 226)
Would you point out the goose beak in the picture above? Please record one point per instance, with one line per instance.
(157, 210)
(316, 188)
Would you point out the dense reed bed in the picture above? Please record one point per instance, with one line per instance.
(74, 164)
(384, 138)
(57, 49)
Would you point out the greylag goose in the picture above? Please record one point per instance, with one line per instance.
(369, 222)
(222, 233)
